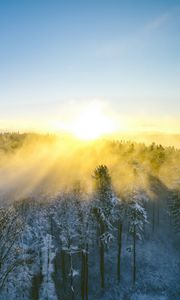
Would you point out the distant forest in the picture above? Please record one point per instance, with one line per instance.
(95, 220)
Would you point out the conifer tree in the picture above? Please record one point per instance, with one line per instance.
(104, 203)
(137, 217)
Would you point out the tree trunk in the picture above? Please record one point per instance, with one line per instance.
(83, 276)
(87, 271)
(63, 264)
(102, 263)
(119, 251)
(37, 280)
(134, 256)
(71, 277)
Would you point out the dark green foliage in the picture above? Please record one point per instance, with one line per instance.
(174, 208)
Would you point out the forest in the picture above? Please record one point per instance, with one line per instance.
(88, 220)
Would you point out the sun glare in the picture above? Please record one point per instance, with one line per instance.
(88, 123)
(92, 123)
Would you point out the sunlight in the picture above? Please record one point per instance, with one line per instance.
(92, 123)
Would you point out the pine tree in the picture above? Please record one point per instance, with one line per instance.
(174, 209)
(104, 204)
(137, 217)
(119, 213)
(66, 218)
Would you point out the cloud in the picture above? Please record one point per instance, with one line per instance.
(134, 40)
(159, 21)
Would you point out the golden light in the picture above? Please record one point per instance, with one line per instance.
(92, 123)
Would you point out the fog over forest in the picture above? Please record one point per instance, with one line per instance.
(88, 220)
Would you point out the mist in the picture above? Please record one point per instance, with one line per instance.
(46, 164)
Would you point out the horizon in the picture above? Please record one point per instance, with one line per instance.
(147, 138)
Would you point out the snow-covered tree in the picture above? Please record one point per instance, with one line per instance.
(103, 210)
(11, 226)
(137, 217)
(67, 224)
(119, 214)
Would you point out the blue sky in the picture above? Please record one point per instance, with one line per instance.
(56, 55)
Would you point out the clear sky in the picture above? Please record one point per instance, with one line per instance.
(58, 55)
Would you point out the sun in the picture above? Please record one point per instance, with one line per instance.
(92, 123)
